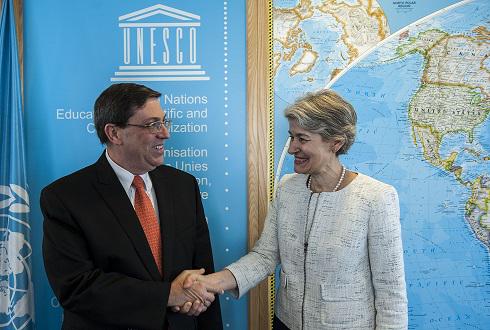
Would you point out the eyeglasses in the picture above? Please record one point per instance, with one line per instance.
(156, 126)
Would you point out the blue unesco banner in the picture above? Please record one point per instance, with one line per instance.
(193, 53)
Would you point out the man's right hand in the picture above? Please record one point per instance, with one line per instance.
(195, 298)
(215, 282)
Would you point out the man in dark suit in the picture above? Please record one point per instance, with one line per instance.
(121, 235)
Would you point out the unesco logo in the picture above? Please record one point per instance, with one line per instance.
(159, 44)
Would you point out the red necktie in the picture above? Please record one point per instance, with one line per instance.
(148, 220)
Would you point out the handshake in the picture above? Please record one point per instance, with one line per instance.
(191, 292)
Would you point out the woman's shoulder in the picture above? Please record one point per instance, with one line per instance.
(372, 185)
(373, 191)
(292, 184)
(293, 180)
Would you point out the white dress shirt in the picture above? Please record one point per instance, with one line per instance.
(126, 179)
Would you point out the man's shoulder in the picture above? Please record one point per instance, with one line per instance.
(172, 173)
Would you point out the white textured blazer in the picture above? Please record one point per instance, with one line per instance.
(351, 276)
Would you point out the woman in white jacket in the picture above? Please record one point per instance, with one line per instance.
(335, 233)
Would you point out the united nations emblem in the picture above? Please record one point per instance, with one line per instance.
(16, 288)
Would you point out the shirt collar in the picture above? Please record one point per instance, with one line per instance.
(126, 177)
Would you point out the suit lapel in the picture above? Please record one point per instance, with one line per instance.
(117, 200)
(166, 214)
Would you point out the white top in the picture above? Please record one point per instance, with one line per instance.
(352, 274)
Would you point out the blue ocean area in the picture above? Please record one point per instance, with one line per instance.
(482, 135)
(298, 84)
(468, 16)
(285, 3)
(454, 142)
(292, 90)
(382, 108)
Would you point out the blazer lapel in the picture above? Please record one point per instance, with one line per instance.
(117, 200)
(166, 214)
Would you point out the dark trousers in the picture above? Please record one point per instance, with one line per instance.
(278, 325)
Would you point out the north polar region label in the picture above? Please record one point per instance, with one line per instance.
(69, 114)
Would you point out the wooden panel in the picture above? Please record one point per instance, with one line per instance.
(259, 142)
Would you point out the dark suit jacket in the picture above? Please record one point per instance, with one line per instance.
(98, 261)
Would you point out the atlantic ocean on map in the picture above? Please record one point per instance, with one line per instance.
(422, 95)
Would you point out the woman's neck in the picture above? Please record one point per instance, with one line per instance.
(329, 180)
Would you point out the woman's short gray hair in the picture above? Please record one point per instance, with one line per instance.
(328, 114)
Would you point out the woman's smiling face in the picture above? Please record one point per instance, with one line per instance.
(311, 152)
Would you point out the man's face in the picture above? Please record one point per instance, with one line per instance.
(142, 150)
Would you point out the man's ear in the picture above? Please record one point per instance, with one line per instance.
(113, 133)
